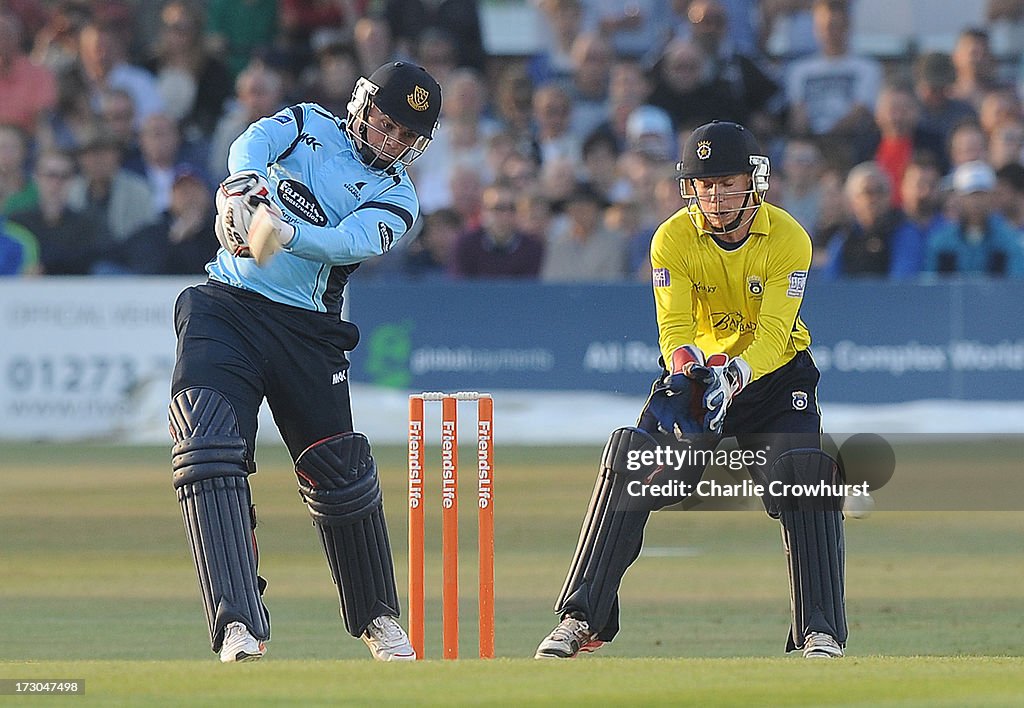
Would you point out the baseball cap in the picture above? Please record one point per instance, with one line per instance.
(974, 176)
(649, 130)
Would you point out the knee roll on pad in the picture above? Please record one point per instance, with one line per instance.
(210, 465)
(338, 482)
(611, 536)
(807, 468)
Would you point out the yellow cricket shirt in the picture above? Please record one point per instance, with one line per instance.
(744, 302)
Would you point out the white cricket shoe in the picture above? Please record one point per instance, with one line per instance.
(818, 645)
(239, 645)
(388, 641)
(571, 637)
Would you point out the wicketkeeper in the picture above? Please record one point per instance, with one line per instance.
(729, 276)
(334, 192)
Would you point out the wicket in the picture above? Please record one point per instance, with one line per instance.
(450, 520)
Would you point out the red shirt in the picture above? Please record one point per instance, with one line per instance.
(893, 155)
(26, 90)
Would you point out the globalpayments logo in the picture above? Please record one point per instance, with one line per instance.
(393, 361)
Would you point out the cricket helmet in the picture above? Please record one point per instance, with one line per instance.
(408, 95)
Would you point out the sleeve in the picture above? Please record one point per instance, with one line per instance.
(673, 294)
(371, 230)
(784, 287)
(870, 84)
(261, 143)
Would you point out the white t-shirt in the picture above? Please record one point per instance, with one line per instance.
(829, 87)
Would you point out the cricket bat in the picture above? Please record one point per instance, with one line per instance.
(263, 239)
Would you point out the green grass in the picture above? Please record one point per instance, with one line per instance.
(96, 582)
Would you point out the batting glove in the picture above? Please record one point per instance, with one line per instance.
(244, 184)
(725, 378)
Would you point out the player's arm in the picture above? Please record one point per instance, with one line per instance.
(674, 299)
(264, 140)
(370, 230)
(780, 305)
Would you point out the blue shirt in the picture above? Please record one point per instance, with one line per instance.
(343, 211)
(998, 252)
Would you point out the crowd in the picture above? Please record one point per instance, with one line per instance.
(116, 118)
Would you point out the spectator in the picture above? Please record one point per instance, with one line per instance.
(373, 43)
(899, 135)
(562, 24)
(633, 28)
(1008, 195)
(498, 249)
(582, 249)
(310, 24)
(628, 89)
(600, 159)
(923, 215)
(193, 83)
(787, 28)
(19, 249)
(967, 143)
(1006, 143)
(461, 138)
(117, 116)
(460, 19)
(649, 133)
(17, 192)
(105, 66)
(974, 66)
(163, 154)
(331, 80)
(180, 241)
(997, 107)
(591, 61)
(467, 186)
(749, 85)
(431, 254)
(553, 136)
(238, 28)
(260, 93)
(680, 88)
(56, 44)
(533, 214)
(832, 93)
(28, 89)
(863, 246)
(109, 194)
(666, 201)
(437, 52)
(978, 241)
(514, 103)
(803, 184)
(933, 82)
(68, 240)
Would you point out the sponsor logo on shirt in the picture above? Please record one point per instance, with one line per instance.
(661, 278)
(387, 236)
(301, 202)
(307, 139)
(356, 189)
(797, 283)
(283, 120)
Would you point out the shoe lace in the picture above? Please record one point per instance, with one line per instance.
(571, 629)
(388, 631)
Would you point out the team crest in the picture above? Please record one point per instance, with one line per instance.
(799, 400)
(704, 149)
(754, 286)
(419, 99)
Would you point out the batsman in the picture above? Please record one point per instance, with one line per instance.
(324, 193)
(729, 275)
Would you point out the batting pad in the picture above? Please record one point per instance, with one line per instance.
(611, 536)
(210, 477)
(338, 481)
(815, 553)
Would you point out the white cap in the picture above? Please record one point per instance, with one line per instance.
(974, 176)
(649, 130)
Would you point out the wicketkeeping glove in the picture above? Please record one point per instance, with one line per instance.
(725, 378)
